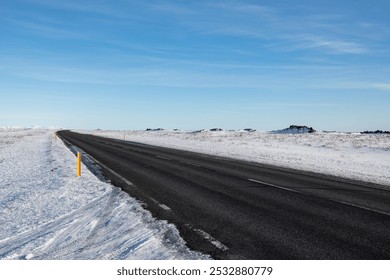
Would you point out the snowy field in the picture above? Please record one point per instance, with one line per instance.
(364, 157)
(46, 212)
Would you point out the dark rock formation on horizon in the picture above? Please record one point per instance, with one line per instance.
(375, 132)
(154, 129)
(296, 129)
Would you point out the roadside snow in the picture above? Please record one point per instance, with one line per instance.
(358, 156)
(46, 212)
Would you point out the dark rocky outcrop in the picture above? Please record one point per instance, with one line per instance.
(296, 129)
(154, 129)
(375, 132)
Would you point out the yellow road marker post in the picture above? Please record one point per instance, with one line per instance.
(78, 164)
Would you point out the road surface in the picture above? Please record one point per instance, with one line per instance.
(232, 209)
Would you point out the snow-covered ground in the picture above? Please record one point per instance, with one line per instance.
(47, 212)
(352, 155)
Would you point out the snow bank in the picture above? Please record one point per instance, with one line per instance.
(46, 212)
(357, 156)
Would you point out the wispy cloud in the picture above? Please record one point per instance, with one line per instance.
(156, 65)
(189, 74)
(47, 30)
(172, 9)
(327, 44)
(332, 33)
(245, 8)
(327, 33)
(385, 87)
(84, 6)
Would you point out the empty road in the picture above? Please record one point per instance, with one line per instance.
(232, 209)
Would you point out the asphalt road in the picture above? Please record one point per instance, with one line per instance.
(240, 210)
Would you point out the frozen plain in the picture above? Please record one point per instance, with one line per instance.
(46, 212)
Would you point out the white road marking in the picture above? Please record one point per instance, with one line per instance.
(362, 207)
(334, 200)
(154, 200)
(163, 157)
(275, 186)
(212, 240)
(189, 163)
(163, 206)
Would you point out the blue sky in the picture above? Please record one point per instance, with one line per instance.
(123, 64)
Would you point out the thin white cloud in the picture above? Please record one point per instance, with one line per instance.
(178, 74)
(91, 7)
(172, 9)
(385, 87)
(332, 45)
(331, 33)
(246, 8)
(47, 30)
